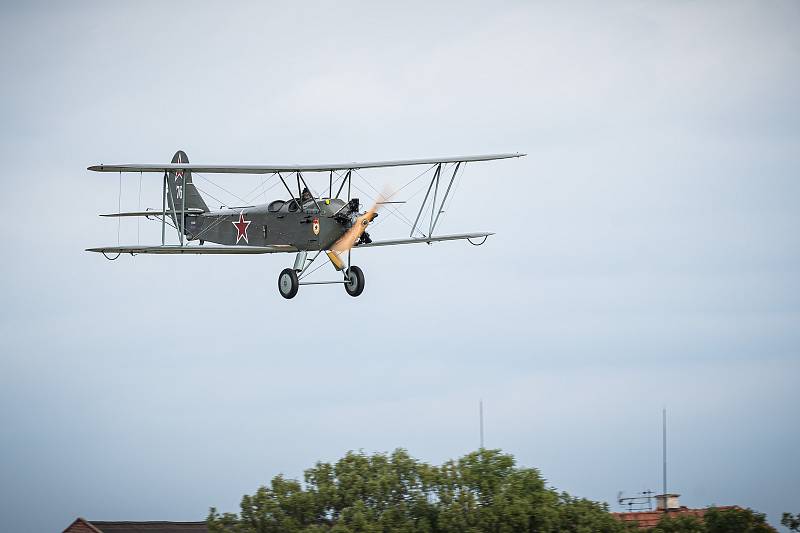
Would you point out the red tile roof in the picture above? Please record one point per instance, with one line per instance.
(649, 519)
(82, 525)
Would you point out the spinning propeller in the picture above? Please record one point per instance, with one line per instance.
(355, 232)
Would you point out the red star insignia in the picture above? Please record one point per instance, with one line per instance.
(241, 228)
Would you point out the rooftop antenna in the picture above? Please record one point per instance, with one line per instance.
(480, 416)
(641, 501)
(664, 449)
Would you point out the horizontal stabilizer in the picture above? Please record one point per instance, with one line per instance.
(437, 238)
(151, 213)
(271, 169)
(205, 250)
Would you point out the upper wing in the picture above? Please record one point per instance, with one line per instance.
(428, 240)
(151, 213)
(269, 169)
(173, 249)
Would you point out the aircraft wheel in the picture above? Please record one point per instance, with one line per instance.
(287, 283)
(354, 281)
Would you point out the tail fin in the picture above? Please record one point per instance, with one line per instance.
(183, 195)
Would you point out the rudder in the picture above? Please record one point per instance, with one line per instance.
(182, 194)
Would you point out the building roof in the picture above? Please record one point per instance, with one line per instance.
(81, 525)
(648, 519)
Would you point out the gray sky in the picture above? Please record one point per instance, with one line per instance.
(647, 251)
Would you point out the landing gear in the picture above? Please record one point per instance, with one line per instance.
(288, 283)
(289, 280)
(353, 281)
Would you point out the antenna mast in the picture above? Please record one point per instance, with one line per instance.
(664, 450)
(480, 416)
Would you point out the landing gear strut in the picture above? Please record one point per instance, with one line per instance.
(288, 283)
(289, 279)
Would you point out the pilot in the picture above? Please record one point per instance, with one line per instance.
(305, 196)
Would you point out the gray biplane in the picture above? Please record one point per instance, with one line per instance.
(304, 223)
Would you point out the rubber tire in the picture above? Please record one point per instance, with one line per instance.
(295, 285)
(354, 273)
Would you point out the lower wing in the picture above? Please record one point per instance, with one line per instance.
(272, 249)
(171, 249)
(438, 238)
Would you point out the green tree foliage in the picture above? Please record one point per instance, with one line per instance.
(481, 492)
(732, 520)
(736, 520)
(791, 521)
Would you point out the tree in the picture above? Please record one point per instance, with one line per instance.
(791, 521)
(736, 520)
(482, 491)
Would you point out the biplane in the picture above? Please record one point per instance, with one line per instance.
(304, 223)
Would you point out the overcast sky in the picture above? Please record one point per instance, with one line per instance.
(647, 250)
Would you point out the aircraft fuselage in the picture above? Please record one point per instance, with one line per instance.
(305, 227)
